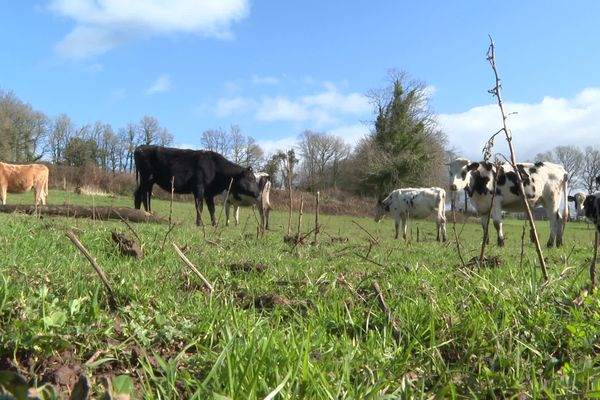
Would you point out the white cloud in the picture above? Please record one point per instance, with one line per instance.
(271, 146)
(265, 80)
(160, 85)
(104, 24)
(536, 127)
(233, 105)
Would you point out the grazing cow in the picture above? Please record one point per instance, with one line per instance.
(262, 203)
(417, 203)
(591, 205)
(543, 182)
(456, 168)
(578, 199)
(205, 174)
(21, 178)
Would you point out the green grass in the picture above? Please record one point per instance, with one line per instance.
(295, 330)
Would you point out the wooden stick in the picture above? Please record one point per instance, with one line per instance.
(366, 231)
(388, 313)
(86, 253)
(300, 215)
(342, 280)
(317, 216)
(496, 92)
(193, 268)
(593, 264)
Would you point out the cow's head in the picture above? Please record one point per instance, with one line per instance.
(244, 188)
(459, 174)
(592, 207)
(381, 208)
(578, 199)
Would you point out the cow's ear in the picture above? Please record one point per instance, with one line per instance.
(473, 166)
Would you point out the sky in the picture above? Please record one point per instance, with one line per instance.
(277, 68)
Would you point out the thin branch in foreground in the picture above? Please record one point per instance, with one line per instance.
(366, 231)
(386, 310)
(193, 268)
(99, 271)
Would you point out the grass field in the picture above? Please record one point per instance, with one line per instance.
(297, 321)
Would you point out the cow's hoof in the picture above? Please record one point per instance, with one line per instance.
(550, 244)
(500, 242)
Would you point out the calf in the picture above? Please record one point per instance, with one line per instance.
(591, 206)
(21, 178)
(416, 203)
(544, 183)
(202, 173)
(262, 202)
(578, 199)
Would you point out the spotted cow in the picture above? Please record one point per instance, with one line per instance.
(545, 184)
(262, 202)
(414, 203)
(578, 199)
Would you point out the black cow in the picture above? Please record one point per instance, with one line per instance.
(591, 206)
(203, 173)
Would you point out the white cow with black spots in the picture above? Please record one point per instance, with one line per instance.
(545, 184)
(262, 202)
(406, 203)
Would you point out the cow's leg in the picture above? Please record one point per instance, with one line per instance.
(397, 227)
(198, 205)
(3, 193)
(484, 224)
(404, 224)
(497, 218)
(236, 214)
(137, 197)
(227, 206)
(442, 227)
(210, 203)
(198, 199)
(555, 222)
(266, 216)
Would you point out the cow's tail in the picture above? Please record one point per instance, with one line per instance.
(565, 216)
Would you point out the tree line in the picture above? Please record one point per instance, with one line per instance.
(404, 146)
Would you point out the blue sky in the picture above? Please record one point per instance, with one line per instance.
(277, 68)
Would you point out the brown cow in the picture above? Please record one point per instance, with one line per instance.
(21, 178)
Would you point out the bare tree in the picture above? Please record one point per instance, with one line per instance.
(62, 130)
(164, 137)
(149, 129)
(591, 168)
(321, 154)
(215, 140)
(237, 143)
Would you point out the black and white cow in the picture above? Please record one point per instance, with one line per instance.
(262, 202)
(578, 199)
(205, 174)
(591, 206)
(545, 184)
(416, 203)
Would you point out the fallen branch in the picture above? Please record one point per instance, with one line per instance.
(98, 212)
(193, 268)
(342, 280)
(86, 253)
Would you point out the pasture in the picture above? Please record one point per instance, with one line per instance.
(297, 321)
